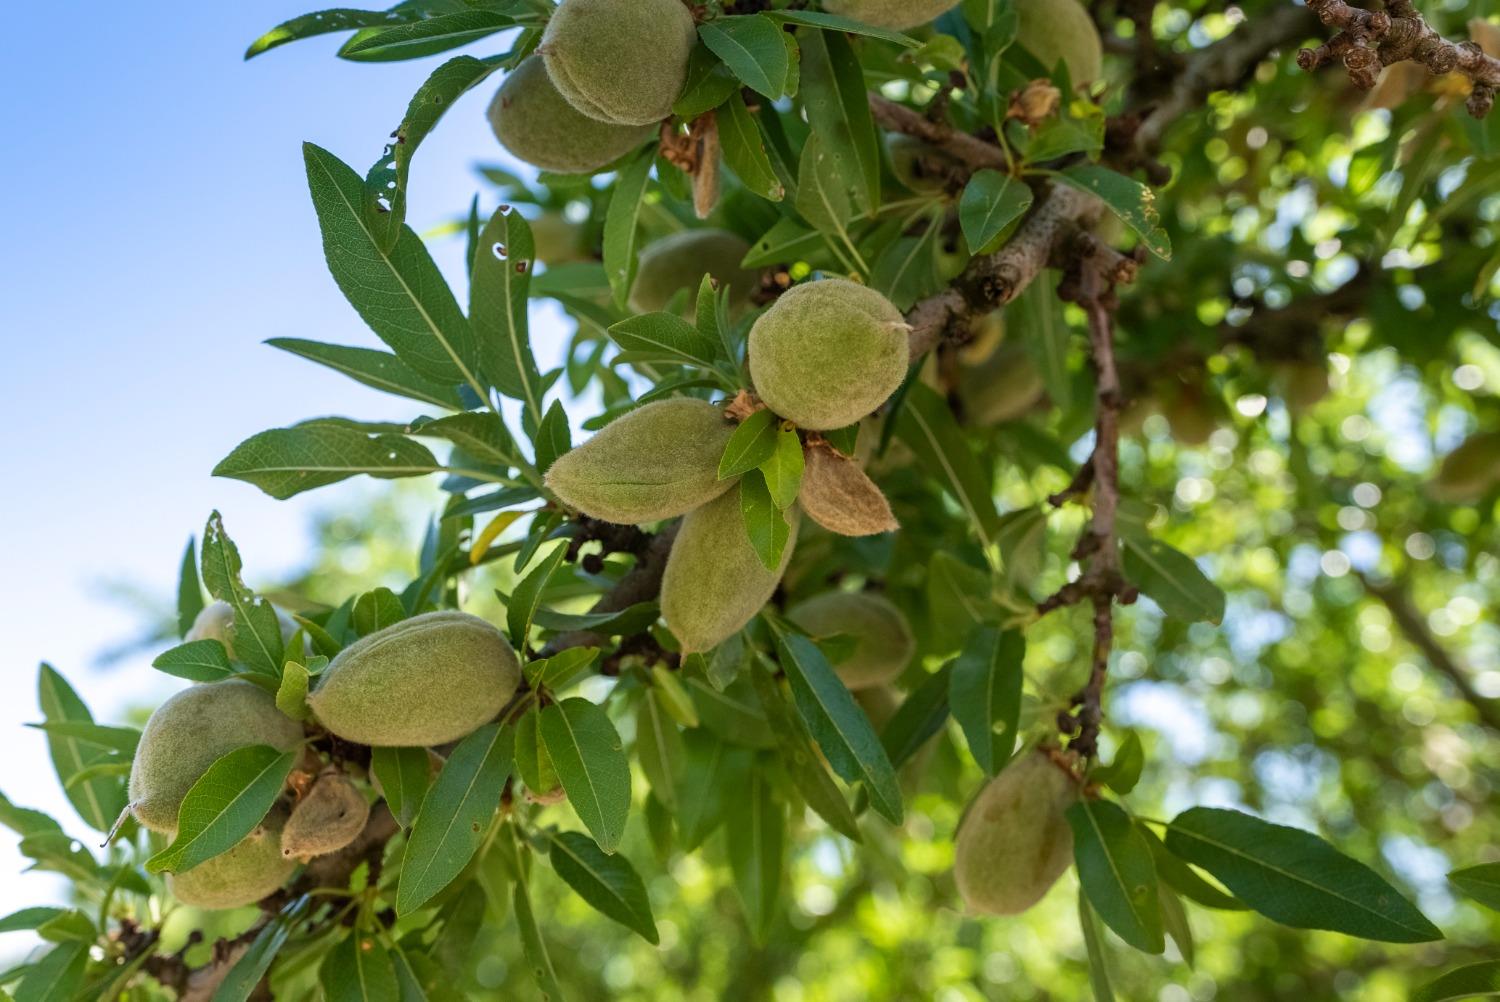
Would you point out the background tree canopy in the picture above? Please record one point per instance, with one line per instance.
(953, 403)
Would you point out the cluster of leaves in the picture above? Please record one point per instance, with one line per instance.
(745, 738)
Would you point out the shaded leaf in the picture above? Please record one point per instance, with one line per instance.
(608, 882)
(991, 201)
(1117, 873)
(359, 969)
(751, 47)
(620, 231)
(590, 761)
(756, 839)
(404, 774)
(985, 694)
(1172, 579)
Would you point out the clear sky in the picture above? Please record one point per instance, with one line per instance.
(157, 229)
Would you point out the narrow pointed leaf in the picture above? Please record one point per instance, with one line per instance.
(253, 964)
(620, 230)
(801, 760)
(751, 47)
(527, 597)
(1481, 883)
(404, 775)
(590, 761)
(380, 370)
(991, 201)
(1472, 981)
(756, 840)
(359, 969)
(326, 21)
(284, 462)
(224, 805)
(189, 590)
(1117, 873)
(608, 882)
(99, 800)
(985, 694)
(455, 815)
(752, 443)
(782, 470)
(497, 307)
(1173, 580)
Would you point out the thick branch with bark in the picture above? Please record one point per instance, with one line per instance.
(1369, 41)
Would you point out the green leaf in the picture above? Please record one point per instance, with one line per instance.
(1185, 880)
(907, 269)
(497, 307)
(927, 426)
(786, 242)
(481, 435)
(426, 37)
(553, 437)
(1093, 942)
(532, 945)
(225, 805)
(326, 21)
(958, 599)
(189, 590)
(713, 768)
(659, 748)
(620, 231)
(822, 197)
(985, 694)
(455, 815)
(752, 48)
(837, 103)
(359, 969)
(609, 883)
(559, 671)
(386, 182)
(1172, 579)
(291, 695)
(1174, 921)
(744, 150)
(284, 462)
(113, 739)
(752, 443)
(1036, 318)
(253, 964)
(380, 370)
(527, 597)
(400, 293)
(57, 976)
(1481, 883)
(29, 918)
(1296, 878)
(756, 842)
(832, 22)
(100, 800)
(591, 763)
(375, 610)
(1124, 771)
(801, 760)
(1127, 198)
(663, 337)
(921, 715)
(765, 523)
(709, 83)
(1116, 871)
(257, 631)
(782, 470)
(837, 723)
(991, 201)
(404, 774)
(1481, 980)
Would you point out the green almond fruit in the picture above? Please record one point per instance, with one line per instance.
(680, 261)
(659, 461)
(254, 868)
(714, 583)
(827, 353)
(897, 14)
(620, 61)
(215, 621)
(1061, 31)
(533, 121)
(425, 681)
(1469, 471)
(191, 731)
(1014, 840)
(327, 818)
(883, 644)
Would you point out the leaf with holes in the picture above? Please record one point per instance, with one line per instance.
(1127, 198)
(497, 307)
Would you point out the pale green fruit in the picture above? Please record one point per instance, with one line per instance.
(1192, 419)
(1470, 471)
(328, 817)
(557, 239)
(620, 61)
(898, 14)
(680, 261)
(1062, 30)
(1303, 384)
(191, 731)
(912, 161)
(1002, 388)
(656, 462)
(714, 583)
(215, 621)
(425, 681)
(827, 353)
(883, 640)
(533, 122)
(1014, 840)
(242, 876)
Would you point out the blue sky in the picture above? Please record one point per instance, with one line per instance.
(158, 230)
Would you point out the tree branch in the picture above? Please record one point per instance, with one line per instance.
(1371, 40)
(971, 150)
(1413, 626)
